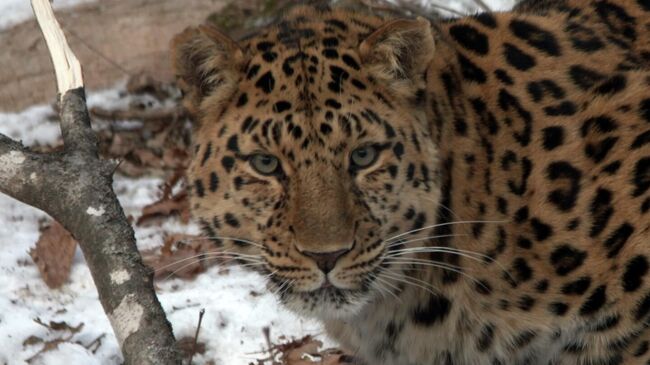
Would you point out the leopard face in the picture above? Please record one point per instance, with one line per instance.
(308, 164)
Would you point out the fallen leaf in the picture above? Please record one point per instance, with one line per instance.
(186, 346)
(303, 351)
(146, 157)
(60, 326)
(53, 254)
(175, 158)
(32, 340)
(63, 326)
(53, 344)
(311, 347)
(181, 255)
(50, 345)
(175, 205)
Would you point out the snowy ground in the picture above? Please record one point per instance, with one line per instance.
(237, 305)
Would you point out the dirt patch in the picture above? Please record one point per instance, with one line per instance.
(113, 39)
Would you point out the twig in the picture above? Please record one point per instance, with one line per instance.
(94, 345)
(196, 336)
(74, 186)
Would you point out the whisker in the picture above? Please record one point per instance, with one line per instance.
(418, 261)
(439, 225)
(227, 261)
(226, 238)
(453, 249)
(285, 282)
(208, 253)
(286, 289)
(412, 281)
(400, 242)
(252, 264)
(231, 253)
(426, 197)
(203, 259)
(380, 288)
(387, 283)
(266, 277)
(444, 267)
(466, 254)
(479, 257)
(180, 269)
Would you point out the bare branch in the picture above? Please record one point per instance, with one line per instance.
(75, 187)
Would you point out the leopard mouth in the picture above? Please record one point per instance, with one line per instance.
(326, 301)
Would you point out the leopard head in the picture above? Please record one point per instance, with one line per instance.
(312, 155)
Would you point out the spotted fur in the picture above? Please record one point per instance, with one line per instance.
(506, 219)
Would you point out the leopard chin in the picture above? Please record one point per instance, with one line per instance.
(326, 303)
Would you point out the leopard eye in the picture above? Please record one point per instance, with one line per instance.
(364, 156)
(265, 164)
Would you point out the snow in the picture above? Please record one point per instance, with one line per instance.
(17, 11)
(95, 212)
(237, 305)
(467, 6)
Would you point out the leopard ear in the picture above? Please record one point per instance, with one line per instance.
(206, 63)
(398, 54)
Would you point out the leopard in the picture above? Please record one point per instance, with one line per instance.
(463, 191)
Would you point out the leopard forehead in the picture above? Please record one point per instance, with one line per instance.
(305, 95)
(304, 92)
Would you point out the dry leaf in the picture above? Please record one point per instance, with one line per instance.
(303, 351)
(297, 356)
(132, 170)
(60, 326)
(186, 346)
(54, 343)
(147, 158)
(180, 256)
(32, 340)
(167, 206)
(175, 158)
(53, 254)
(50, 345)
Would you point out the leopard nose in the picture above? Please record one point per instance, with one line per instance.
(326, 260)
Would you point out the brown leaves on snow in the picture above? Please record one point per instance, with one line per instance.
(146, 137)
(53, 254)
(61, 332)
(169, 203)
(166, 206)
(303, 351)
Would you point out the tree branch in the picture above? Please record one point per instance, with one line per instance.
(75, 187)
